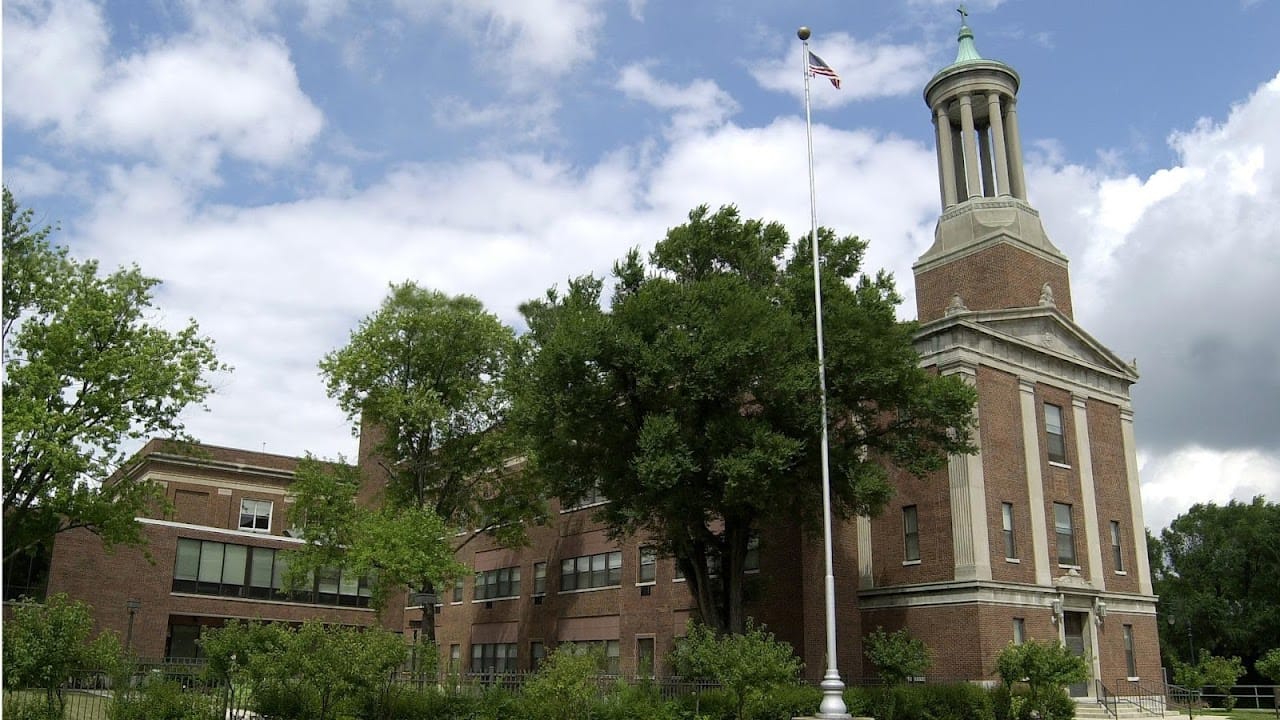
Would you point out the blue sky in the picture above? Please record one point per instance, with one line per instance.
(278, 162)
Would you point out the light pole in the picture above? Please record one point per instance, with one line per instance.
(132, 606)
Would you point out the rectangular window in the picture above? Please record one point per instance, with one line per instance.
(591, 497)
(645, 657)
(1117, 554)
(206, 567)
(255, 515)
(1064, 529)
(609, 649)
(493, 657)
(648, 571)
(500, 583)
(591, 571)
(457, 590)
(1053, 433)
(455, 657)
(537, 653)
(1010, 547)
(1019, 631)
(911, 533)
(1130, 658)
(539, 578)
(751, 563)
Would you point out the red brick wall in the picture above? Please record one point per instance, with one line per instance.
(1111, 485)
(994, 278)
(1061, 484)
(85, 571)
(932, 497)
(1005, 473)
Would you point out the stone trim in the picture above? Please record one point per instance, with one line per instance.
(1035, 481)
(1084, 454)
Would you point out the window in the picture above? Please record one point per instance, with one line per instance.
(1130, 659)
(911, 533)
(1053, 432)
(455, 657)
(457, 590)
(1019, 631)
(751, 563)
(1066, 534)
(26, 574)
(537, 653)
(1010, 547)
(591, 571)
(610, 650)
(205, 567)
(592, 496)
(539, 578)
(500, 583)
(1117, 556)
(645, 657)
(493, 657)
(648, 571)
(255, 515)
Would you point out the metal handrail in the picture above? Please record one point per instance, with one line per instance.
(1176, 695)
(1146, 699)
(1107, 699)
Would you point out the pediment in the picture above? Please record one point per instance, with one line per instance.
(1042, 329)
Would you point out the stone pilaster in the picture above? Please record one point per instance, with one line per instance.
(1035, 482)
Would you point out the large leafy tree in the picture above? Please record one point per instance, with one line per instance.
(424, 375)
(1217, 572)
(86, 374)
(692, 402)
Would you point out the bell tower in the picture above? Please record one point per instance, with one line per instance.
(990, 251)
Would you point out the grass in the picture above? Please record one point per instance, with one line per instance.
(79, 705)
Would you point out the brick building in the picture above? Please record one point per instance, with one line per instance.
(1039, 535)
(214, 559)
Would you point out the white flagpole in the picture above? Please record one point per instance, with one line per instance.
(832, 706)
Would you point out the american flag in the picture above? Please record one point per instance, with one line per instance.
(817, 67)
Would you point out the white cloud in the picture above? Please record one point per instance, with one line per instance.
(187, 102)
(867, 70)
(1176, 481)
(548, 37)
(697, 106)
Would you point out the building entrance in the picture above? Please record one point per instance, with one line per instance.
(1074, 630)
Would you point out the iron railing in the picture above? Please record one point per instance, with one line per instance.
(1147, 699)
(1106, 698)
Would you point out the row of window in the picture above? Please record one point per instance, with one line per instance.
(504, 657)
(207, 567)
(1063, 526)
(586, 572)
(1130, 655)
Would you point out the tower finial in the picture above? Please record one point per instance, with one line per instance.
(964, 14)
(967, 52)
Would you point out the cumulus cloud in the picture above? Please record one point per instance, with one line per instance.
(699, 105)
(185, 103)
(867, 70)
(548, 37)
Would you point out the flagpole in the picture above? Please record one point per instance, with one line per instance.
(832, 706)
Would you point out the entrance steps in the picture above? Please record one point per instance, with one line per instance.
(1089, 709)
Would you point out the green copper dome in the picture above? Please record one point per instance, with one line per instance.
(967, 52)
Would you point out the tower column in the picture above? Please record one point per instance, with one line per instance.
(984, 154)
(946, 156)
(1135, 501)
(1035, 481)
(999, 151)
(1017, 181)
(1084, 455)
(973, 184)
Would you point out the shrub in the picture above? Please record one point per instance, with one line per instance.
(1269, 666)
(29, 706)
(747, 665)
(163, 700)
(784, 702)
(1046, 668)
(406, 703)
(897, 655)
(635, 702)
(1015, 703)
(958, 701)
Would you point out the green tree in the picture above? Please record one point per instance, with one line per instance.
(1046, 668)
(1221, 673)
(1269, 666)
(564, 687)
(45, 643)
(692, 403)
(423, 376)
(1218, 577)
(897, 655)
(86, 373)
(746, 664)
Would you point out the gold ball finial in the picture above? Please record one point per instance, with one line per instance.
(803, 33)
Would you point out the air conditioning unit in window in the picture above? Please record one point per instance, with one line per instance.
(537, 599)
(488, 604)
(646, 590)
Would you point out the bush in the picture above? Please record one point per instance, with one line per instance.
(564, 686)
(1015, 704)
(1269, 666)
(163, 700)
(958, 701)
(897, 656)
(278, 701)
(784, 702)
(29, 706)
(635, 702)
(407, 703)
(747, 665)
(713, 704)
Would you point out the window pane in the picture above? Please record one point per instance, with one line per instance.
(648, 565)
(540, 577)
(1053, 431)
(1065, 534)
(260, 569)
(567, 579)
(211, 562)
(349, 583)
(188, 564)
(235, 558)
